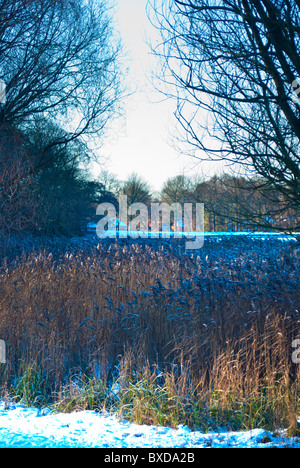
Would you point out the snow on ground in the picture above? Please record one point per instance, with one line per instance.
(31, 428)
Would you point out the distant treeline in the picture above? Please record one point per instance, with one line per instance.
(60, 197)
(232, 202)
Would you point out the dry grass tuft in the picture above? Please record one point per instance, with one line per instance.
(202, 339)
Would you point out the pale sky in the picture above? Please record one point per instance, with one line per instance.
(143, 145)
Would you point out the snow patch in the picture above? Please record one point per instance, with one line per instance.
(32, 428)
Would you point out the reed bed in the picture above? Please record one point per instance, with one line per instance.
(158, 335)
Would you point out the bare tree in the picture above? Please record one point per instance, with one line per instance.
(60, 61)
(236, 203)
(178, 189)
(232, 65)
(18, 199)
(137, 190)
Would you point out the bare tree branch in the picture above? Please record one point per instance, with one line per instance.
(231, 64)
